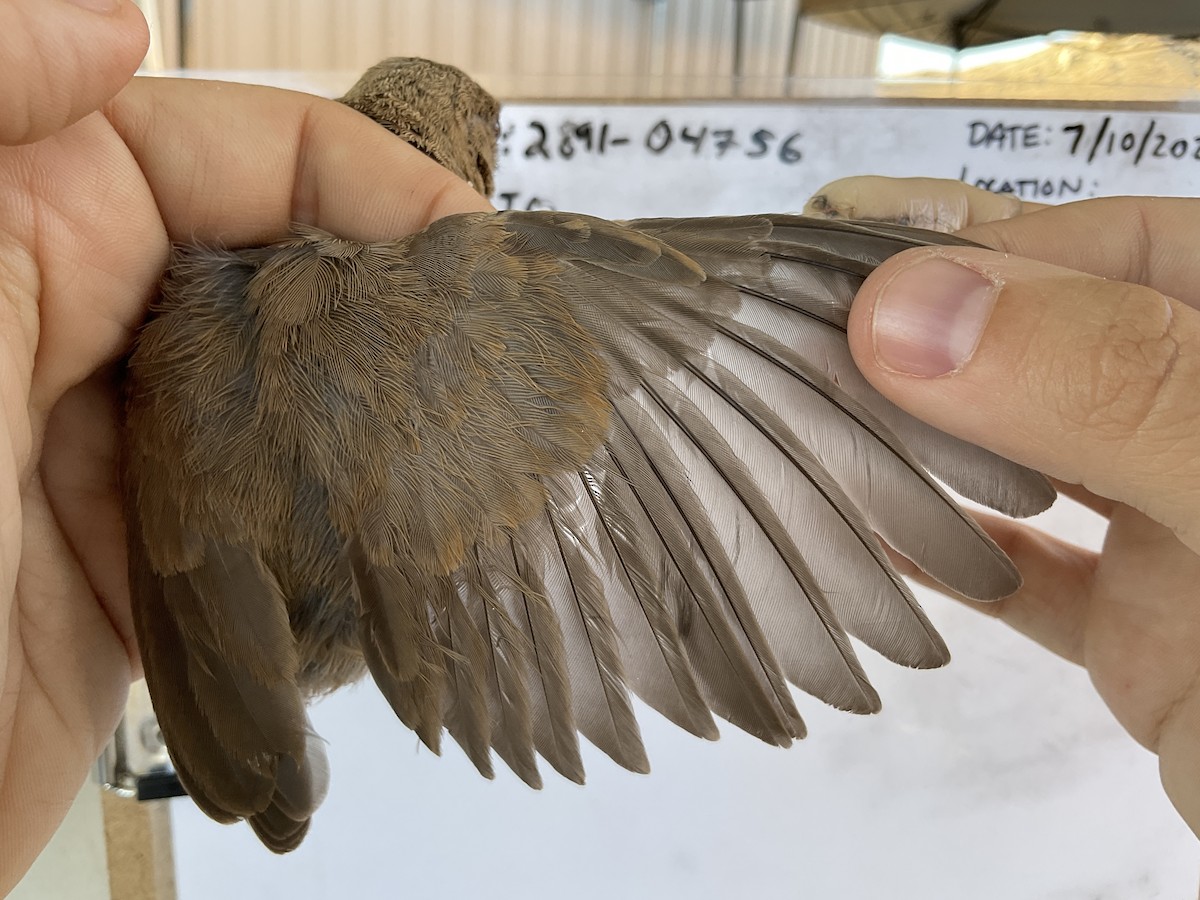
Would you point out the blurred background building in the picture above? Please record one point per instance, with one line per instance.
(709, 49)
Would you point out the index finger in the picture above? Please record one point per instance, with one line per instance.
(939, 204)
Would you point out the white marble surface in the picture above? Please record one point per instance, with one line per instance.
(1001, 776)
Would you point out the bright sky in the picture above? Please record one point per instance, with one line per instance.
(900, 56)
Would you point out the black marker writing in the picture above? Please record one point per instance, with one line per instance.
(1029, 187)
(1145, 141)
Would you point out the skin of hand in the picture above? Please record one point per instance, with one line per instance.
(1073, 348)
(98, 174)
(934, 203)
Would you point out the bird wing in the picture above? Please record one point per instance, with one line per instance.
(219, 656)
(672, 483)
(529, 462)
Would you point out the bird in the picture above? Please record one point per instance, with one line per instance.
(519, 467)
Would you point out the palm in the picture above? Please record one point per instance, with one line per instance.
(1128, 615)
(70, 651)
(1142, 629)
(61, 705)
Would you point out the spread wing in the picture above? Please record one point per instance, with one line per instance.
(524, 464)
(716, 541)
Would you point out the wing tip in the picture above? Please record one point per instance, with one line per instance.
(1034, 495)
(279, 831)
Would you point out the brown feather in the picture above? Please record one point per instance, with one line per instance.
(397, 641)
(725, 643)
(643, 611)
(508, 666)
(466, 714)
(517, 585)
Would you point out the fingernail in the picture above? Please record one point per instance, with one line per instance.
(100, 6)
(929, 318)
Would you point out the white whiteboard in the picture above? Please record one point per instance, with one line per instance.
(630, 160)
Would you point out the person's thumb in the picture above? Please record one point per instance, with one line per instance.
(1092, 381)
(62, 59)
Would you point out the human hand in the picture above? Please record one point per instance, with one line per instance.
(1074, 348)
(97, 176)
